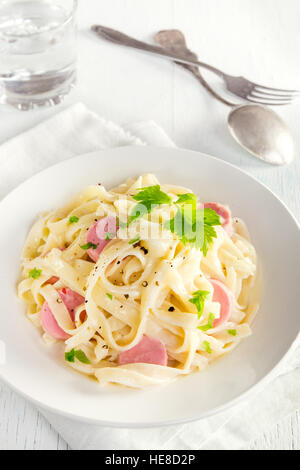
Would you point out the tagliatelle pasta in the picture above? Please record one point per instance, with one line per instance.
(135, 302)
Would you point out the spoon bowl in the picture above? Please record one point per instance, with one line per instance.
(263, 133)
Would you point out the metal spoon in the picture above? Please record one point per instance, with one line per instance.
(256, 128)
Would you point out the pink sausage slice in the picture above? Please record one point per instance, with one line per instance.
(50, 325)
(223, 296)
(53, 280)
(97, 235)
(224, 213)
(71, 300)
(147, 351)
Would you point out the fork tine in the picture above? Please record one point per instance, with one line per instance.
(267, 94)
(279, 90)
(269, 103)
(255, 94)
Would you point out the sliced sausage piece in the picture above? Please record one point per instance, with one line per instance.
(224, 213)
(147, 351)
(50, 325)
(224, 297)
(71, 300)
(97, 235)
(52, 280)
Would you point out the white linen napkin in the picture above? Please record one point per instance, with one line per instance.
(77, 131)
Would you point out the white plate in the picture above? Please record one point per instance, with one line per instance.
(38, 373)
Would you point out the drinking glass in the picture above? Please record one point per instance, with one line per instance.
(37, 51)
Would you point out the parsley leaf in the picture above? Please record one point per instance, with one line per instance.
(80, 355)
(198, 299)
(109, 296)
(207, 347)
(70, 356)
(210, 323)
(187, 226)
(109, 236)
(121, 224)
(149, 198)
(88, 246)
(187, 198)
(209, 235)
(211, 217)
(135, 240)
(192, 225)
(232, 332)
(74, 219)
(35, 273)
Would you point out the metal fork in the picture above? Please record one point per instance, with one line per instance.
(238, 86)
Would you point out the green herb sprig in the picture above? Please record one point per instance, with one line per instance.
(232, 332)
(210, 323)
(73, 219)
(194, 226)
(148, 199)
(206, 347)
(198, 300)
(191, 225)
(135, 240)
(79, 355)
(88, 246)
(109, 236)
(35, 273)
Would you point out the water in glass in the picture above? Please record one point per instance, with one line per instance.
(37, 51)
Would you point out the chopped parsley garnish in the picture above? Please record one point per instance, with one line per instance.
(148, 198)
(82, 357)
(70, 356)
(232, 332)
(79, 355)
(188, 198)
(109, 236)
(74, 219)
(211, 217)
(194, 226)
(206, 347)
(35, 273)
(109, 296)
(88, 246)
(122, 224)
(135, 240)
(198, 299)
(210, 323)
(191, 225)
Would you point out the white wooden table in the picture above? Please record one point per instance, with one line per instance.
(256, 38)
